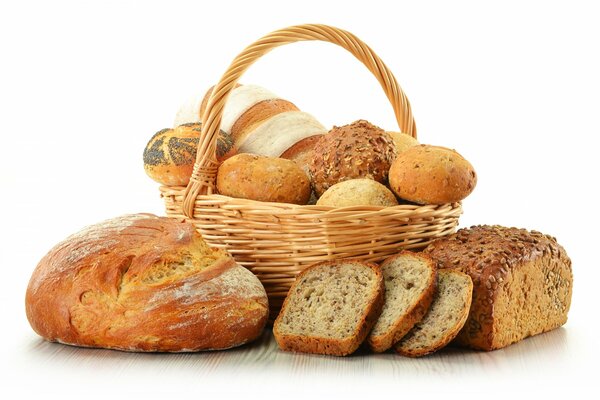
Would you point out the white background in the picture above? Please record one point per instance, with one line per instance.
(513, 86)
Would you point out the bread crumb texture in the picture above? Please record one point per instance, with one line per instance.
(330, 308)
(444, 319)
(410, 283)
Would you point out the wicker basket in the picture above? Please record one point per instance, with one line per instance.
(276, 241)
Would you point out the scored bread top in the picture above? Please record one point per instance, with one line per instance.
(144, 283)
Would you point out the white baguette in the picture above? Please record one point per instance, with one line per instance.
(189, 111)
(241, 100)
(279, 133)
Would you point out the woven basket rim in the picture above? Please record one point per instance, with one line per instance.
(221, 200)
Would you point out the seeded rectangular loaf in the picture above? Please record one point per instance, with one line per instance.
(522, 282)
(330, 308)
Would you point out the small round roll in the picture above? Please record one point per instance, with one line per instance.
(427, 174)
(357, 150)
(403, 141)
(170, 154)
(358, 192)
(261, 178)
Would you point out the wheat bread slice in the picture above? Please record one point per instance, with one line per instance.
(330, 308)
(444, 319)
(410, 281)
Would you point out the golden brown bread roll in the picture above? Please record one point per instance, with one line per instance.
(170, 154)
(523, 282)
(358, 192)
(402, 141)
(254, 177)
(357, 150)
(427, 174)
(144, 283)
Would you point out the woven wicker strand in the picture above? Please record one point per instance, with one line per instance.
(276, 241)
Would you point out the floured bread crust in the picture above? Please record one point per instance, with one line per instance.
(144, 283)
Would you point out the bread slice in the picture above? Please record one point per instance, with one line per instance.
(330, 308)
(410, 282)
(445, 318)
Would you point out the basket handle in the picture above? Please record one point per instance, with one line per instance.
(204, 174)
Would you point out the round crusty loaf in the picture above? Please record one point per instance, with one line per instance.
(427, 174)
(402, 141)
(358, 192)
(261, 178)
(170, 154)
(144, 283)
(358, 150)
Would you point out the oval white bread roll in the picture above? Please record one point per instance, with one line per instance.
(241, 100)
(278, 133)
(189, 111)
(258, 119)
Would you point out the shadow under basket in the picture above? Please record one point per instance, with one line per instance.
(277, 241)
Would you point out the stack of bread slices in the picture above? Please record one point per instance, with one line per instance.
(405, 303)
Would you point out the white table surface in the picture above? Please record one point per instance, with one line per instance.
(538, 366)
(513, 86)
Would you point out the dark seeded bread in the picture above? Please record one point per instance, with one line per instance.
(410, 282)
(330, 308)
(444, 319)
(523, 282)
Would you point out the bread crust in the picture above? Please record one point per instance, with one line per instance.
(257, 114)
(170, 154)
(205, 99)
(358, 192)
(414, 314)
(426, 174)
(144, 283)
(357, 150)
(261, 178)
(329, 346)
(451, 334)
(522, 282)
(402, 141)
